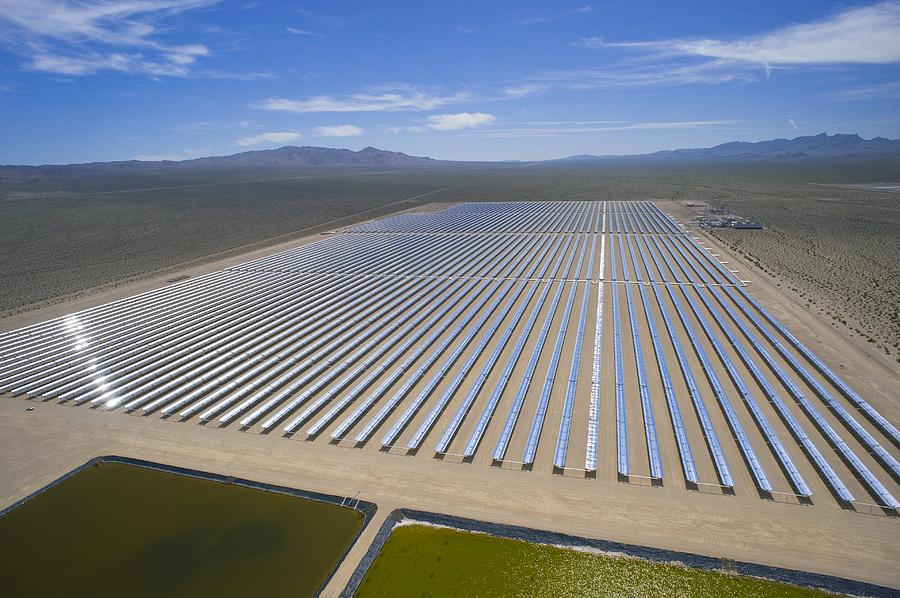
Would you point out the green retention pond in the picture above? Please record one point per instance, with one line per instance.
(423, 561)
(121, 530)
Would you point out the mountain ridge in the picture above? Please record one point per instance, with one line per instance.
(805, 147)
(810, 146)
(288, 155)
(307, 155)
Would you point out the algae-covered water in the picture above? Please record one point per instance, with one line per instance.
(425, 561)
(120, 530)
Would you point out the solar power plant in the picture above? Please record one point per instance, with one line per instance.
(555, 337)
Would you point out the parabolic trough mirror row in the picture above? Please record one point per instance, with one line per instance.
(557, 336)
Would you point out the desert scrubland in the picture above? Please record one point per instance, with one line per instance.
(836, 253)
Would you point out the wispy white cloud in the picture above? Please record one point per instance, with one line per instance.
(461, 120)
(90, 62)
(400, 97)
(861, 35)
(395, 129)
(83, 65)
(339, 131)
(306, 32)
(523, 90)
(444, 122)
(375, 101)
(877, 91)
(251, 76)
(571, 123)
(537, 19)
(793, 123)
(555, 129)
(84, 37)
(270, 137)
(115, 22)
(642, 75)
(406, 97)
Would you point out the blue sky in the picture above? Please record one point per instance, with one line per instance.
(153, 79)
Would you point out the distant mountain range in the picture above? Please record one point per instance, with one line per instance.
(812, 147)
(816, 146)
(286, 156)
(291, 155)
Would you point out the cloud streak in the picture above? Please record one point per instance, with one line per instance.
(866, 35)
(376, 101)
(401, 97)
(339, 131)
(579, 127)
(877, 91)
(657, 74)
(544, 18)
(468, 125)
(270, 137)
(523, 90)
(82, 38)
(461, 120)
(855, 36)
(304, 32)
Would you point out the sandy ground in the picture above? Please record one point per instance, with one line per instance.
(40, 445)
(823, 536)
